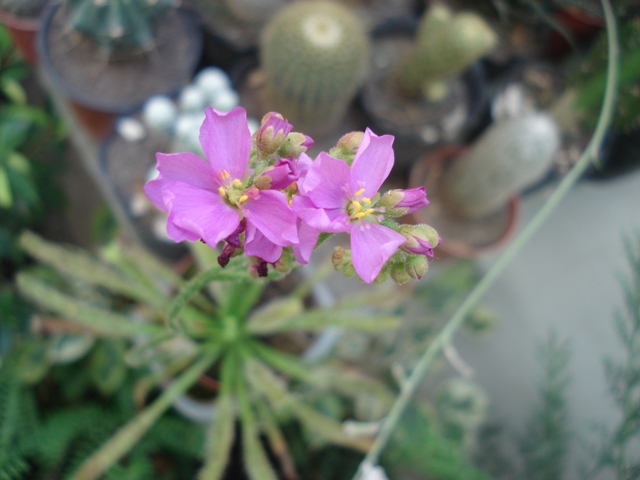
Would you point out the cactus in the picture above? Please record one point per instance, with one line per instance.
(117, 26)
(445, 45)
(510, 156)
(315, 55)
(23, 8)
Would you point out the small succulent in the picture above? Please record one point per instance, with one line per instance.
(117, 25)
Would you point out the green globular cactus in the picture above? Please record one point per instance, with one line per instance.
(510, 156)
(117, 26)
(446, 44)
(315, 55)
(23, 8)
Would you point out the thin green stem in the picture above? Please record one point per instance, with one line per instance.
(444, 337)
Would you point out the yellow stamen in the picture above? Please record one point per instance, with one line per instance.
(224, 174)
(243, 198)
(222, 191)
(355, 206)
(359, 215)
(237, 183)
(366, 200)
(367, 212)
(359, 192)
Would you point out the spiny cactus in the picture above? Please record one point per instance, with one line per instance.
(315, 55)
(445, 45)
(23, 8)
(117, 25)
(510, 156)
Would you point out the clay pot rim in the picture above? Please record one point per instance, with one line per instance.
(456, 248)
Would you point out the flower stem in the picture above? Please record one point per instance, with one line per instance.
(444, 337)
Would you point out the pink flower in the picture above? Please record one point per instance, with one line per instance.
(209, 199)
(336, 198)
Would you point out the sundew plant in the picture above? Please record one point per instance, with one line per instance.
(268, 204)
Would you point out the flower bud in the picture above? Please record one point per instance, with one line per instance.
(272, 132)
(278, 176)
(383, 276)
(295, 144)
(341, 260)
(402, 202)
(421, 239)
(416, 266)
(286, 262)
(399, 273)
(347, 146)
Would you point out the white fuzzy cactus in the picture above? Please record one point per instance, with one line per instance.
(509, 157)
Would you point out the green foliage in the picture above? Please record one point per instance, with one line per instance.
(315, 55)
(589, 81)
(166, 324)
(46, 436)
(117, 25)
(419, 449)
(546, 442)
(30, 148)
(446, 44)
(618, 453)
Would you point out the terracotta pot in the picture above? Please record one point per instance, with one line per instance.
(23, 32)
(101, 87)
(580, 24)
(461, 238)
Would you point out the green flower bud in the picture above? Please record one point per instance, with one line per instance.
(341, 260)
(416, 266)
(295, 144)
(399, 273)
(286, 262)
(347, 147)
(383, 276)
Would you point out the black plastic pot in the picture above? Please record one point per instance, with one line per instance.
(116, 85)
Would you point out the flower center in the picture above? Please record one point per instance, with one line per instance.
(232, 190)
(359, 206)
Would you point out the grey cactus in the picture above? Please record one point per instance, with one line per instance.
(315, 55)
(117, 25)
(510, 156)
(446, 44)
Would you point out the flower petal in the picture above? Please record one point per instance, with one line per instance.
(372, 163)
(371, 246)
(201, 212)
(327, 182)
(308, 238)
(257, 245)
(179, 167)
(226, 141)
(270, 213)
